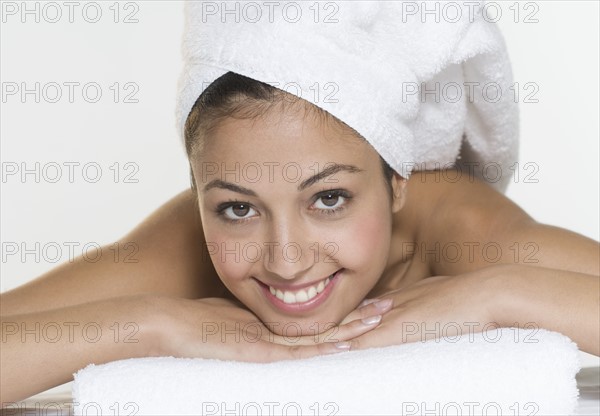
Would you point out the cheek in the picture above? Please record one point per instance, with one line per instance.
(232, 259)
(365, 242)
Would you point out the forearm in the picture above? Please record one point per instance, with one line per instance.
(43, 349)
(557, 300)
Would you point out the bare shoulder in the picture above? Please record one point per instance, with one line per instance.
(464, 225)
(460, 221)
(173, 251)
(165, 254)
(451, 200)
(177, 220)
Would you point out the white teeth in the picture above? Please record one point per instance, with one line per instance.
(288, 297)
(301, 296)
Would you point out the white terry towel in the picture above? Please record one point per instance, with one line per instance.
(371, 64)
(506, 371)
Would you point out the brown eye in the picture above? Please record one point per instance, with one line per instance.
(330, 200)
(240, 210)
(237, 212)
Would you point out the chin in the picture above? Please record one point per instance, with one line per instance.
(291, 327)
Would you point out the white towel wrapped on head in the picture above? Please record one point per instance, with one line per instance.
(506, 371)
(415, 84)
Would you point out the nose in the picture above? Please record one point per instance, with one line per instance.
(287, 251)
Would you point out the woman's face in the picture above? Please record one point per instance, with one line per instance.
(296, 215)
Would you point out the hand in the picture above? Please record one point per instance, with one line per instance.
(366, 317)
(224, 329)
(441, 306)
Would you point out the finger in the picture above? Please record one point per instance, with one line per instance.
(277, 352)
(367, 301)
(380, 306)
(337, 333)
(354, 328)
(373, 340)
(308, 339)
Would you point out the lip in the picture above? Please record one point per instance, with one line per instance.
(301, 307)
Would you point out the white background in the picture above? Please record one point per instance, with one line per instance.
(559, 133)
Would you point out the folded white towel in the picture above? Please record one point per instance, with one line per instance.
(416, 79)
(507, 371)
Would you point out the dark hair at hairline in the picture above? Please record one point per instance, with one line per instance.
(234, 95)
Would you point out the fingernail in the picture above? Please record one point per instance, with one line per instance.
(383, 304)
(371, 320)
(365, 302)
(344, 345)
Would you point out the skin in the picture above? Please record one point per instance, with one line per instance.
(178, 286)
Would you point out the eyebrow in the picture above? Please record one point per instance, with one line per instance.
(330, 170)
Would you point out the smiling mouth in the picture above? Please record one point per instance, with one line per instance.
(304, 299)
(302, 295)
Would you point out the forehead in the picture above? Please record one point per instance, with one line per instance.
(286, 134)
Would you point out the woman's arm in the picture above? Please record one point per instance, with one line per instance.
(163, 256)
(557, 300)
(496, 296)
(544, 274)
(41, 350)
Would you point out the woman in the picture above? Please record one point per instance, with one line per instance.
(260, 263)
